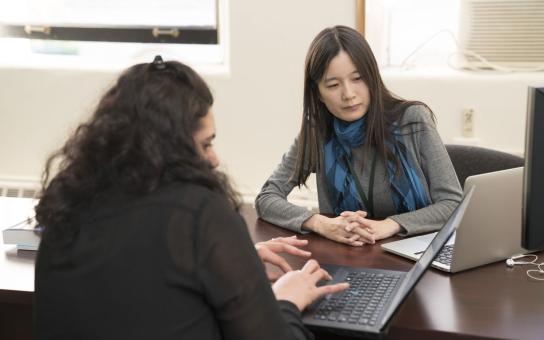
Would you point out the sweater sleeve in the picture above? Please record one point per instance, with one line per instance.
(271, 203)
(441, 180)
(234, 281)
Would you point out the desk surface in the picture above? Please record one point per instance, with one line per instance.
(16, 267)
(16, 275)
(493, 301)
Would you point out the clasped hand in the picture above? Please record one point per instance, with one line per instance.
(369, 231)
(352, 227)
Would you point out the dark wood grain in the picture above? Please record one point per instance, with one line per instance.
(489, 302)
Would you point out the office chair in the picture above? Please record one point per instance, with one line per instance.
(473, 160)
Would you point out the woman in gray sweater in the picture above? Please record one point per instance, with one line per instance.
(380, 164)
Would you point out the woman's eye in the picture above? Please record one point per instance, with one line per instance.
(330, 86)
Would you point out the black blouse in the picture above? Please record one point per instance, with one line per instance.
(175, 264)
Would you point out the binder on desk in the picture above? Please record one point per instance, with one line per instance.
(24, 234)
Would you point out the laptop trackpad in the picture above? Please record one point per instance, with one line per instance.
(332, 270)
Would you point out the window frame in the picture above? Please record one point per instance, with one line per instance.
(150, 33)
(361, 14)
(129, 34)
(204, 47)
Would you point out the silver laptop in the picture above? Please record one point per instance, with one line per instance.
(490, 230)
(374, 295)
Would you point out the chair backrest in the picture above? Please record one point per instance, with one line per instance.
(473, 160)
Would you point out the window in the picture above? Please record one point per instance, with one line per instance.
(113, 31)
(502, 35)
(408, 32)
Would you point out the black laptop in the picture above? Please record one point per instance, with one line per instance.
(374, 295)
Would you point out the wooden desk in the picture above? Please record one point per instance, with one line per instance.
(492, 301)
(16, 291)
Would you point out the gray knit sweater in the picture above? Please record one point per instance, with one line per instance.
(426, 153)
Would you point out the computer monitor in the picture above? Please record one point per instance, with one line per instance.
(532, 235)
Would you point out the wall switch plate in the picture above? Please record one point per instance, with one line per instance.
(468, 123)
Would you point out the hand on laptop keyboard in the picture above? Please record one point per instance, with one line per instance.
(299, 286)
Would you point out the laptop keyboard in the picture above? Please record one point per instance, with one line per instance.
(445, 255)
(362, 302)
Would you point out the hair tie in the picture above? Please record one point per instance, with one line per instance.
(158, 63)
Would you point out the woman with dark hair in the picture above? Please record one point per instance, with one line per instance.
(141, 236)
(380, 164)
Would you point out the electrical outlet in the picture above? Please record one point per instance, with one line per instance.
(468, 123)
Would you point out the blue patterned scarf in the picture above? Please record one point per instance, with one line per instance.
(407, 191)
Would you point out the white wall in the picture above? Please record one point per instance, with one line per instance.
(499, 101)
(258, 108)
(258, 104)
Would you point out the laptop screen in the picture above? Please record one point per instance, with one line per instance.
(413, 276)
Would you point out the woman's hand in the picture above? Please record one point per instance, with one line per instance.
(339, 229)
(299, 287)
(361, 225)
(268, 252)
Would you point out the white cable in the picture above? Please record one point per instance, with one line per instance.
(466, 52)
(535, 274)
(497, 66)
(420, 46)
(540, 271)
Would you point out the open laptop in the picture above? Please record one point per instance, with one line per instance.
(374, 295)
(490, 230)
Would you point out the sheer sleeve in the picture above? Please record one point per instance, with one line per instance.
(234, 280)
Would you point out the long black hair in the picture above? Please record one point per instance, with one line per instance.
(140, 136)
(384, 109)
